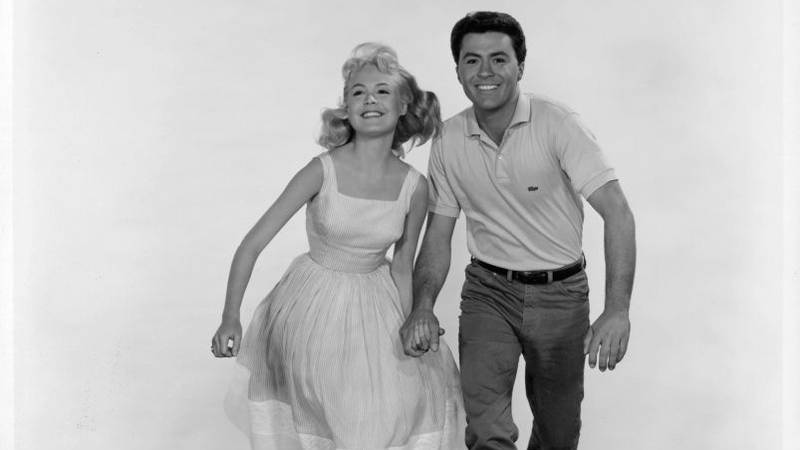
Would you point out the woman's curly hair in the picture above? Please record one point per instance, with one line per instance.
(421, 121)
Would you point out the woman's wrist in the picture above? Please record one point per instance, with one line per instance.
(230, 315)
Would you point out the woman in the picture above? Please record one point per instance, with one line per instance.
(325, 364)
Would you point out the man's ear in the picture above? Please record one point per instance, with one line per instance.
(458, 75)
(521, 70)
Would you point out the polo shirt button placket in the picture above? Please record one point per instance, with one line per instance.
(500, 167)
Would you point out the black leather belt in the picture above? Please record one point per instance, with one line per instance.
(534, 276)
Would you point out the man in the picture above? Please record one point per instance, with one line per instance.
(517, 165)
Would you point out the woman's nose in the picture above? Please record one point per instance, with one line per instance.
(369, 99)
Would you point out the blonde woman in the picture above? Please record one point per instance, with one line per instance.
(325, 364)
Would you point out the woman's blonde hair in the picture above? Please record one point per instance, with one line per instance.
(421, 121)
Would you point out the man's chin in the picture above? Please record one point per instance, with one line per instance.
(486, 104)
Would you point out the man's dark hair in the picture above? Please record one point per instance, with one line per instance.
(484, 21)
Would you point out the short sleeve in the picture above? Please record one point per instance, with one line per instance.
(441, 199)
(581, 157)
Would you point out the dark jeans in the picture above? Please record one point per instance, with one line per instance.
(546, 324)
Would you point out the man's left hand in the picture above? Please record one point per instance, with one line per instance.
(608, 334)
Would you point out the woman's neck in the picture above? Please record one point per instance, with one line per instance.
(373, 150)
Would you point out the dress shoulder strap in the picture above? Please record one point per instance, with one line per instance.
(413, 177)
(328, 171)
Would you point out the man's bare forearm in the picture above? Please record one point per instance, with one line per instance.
(430, 274)
(433, 262)
(620, 253)
(620, 244)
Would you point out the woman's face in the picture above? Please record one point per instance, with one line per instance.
(373, 102)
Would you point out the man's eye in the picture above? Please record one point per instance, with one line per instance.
(500, 60)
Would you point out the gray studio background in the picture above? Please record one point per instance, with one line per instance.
(149, 137)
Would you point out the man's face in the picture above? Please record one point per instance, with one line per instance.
(488, 70)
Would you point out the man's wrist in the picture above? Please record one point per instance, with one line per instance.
(424, 305)
(618, 310)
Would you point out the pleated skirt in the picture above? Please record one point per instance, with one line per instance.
(321, 366)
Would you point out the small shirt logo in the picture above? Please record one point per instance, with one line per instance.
(533, 188)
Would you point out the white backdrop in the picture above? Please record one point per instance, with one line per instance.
(149, 136)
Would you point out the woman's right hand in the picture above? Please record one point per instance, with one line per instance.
(227, 339)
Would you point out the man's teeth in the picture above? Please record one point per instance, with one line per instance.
(487, 87)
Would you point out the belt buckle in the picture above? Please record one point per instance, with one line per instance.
(535, 277)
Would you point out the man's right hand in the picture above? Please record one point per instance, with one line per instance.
(420, 332)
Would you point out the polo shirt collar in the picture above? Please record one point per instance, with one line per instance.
(522, 114)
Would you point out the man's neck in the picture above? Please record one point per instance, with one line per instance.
(496, 122)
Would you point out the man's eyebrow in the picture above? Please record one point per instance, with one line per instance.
(498, 53)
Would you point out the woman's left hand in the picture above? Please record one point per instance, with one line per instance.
(226, 340)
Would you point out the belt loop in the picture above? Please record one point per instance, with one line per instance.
(509, 275)
(549, 276)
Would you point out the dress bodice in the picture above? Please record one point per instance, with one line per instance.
(353, 234)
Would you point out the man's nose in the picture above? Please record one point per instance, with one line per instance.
(485, 70)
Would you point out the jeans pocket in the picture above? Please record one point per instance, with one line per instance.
(476, 282)
(576, 286)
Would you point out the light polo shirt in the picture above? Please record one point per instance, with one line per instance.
(522, 199)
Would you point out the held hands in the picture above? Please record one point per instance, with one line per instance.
(420, 332)
(227, 339)
(609, 334)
